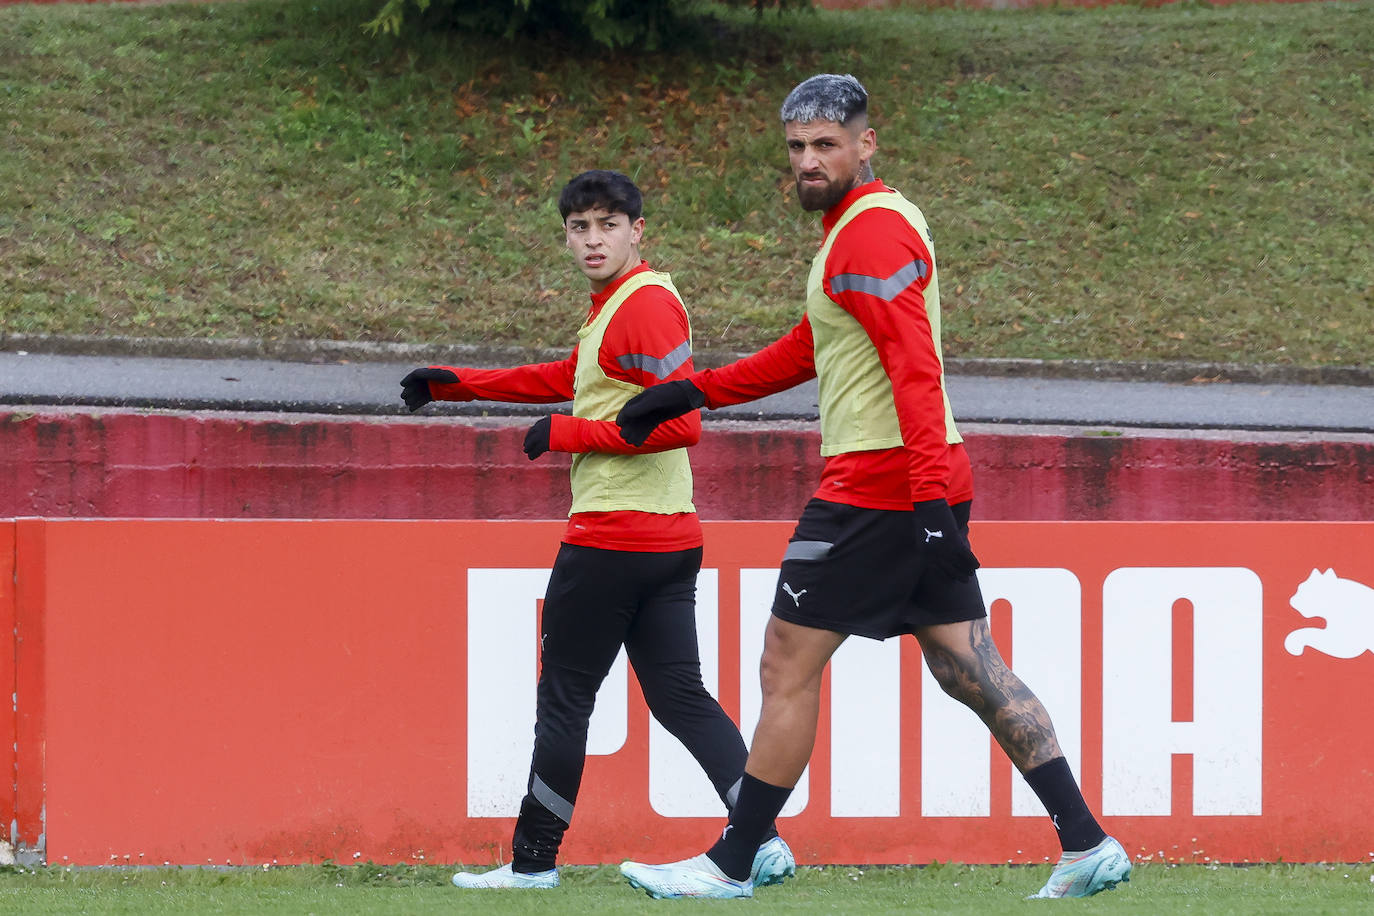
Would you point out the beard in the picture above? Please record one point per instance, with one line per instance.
(823, 197)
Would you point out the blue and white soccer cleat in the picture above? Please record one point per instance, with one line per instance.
(695, 877)
(772, 863)
(1082, 874)
(506, 877)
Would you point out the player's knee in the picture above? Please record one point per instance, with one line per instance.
(781, 679)
(671, 705)
(958, 684)
(566, 691)
(960, 677)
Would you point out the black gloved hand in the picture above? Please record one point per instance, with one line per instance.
(939, 541)
(643, 413)
(537, 439)
(415, 386)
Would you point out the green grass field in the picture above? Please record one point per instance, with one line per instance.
(949, 889)
(1176, 183)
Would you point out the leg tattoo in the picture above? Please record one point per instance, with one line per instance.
(980, 679)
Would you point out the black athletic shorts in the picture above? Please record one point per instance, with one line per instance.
(852, 570)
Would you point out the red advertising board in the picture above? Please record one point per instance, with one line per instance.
(293, 691)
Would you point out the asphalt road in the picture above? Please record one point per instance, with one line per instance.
(371, 387)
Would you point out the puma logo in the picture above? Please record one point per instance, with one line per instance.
(1348, 608)
(795, 596)
(933, 534)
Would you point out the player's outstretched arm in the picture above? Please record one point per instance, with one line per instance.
(536, 383)
(415, 390)
(643, 413)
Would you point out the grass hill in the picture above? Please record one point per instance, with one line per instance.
(1176, 183)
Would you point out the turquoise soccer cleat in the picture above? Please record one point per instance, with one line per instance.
(506, 877)
(1082, 874)
(772, 863)
(695, 877)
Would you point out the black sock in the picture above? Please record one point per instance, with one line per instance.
(731, 795)
(1054, 785)
(751, 819)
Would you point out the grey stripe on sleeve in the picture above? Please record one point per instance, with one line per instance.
(888, 289)
(658, 368)
(558, 806)
(807, 550)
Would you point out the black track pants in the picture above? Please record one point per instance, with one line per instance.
(597, 601)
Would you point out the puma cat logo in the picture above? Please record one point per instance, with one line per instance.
(933, 534)
(795, 596)
(1348, 608)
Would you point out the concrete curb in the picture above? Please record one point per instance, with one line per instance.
(338, 351)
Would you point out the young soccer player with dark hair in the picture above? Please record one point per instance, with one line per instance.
(626, 571)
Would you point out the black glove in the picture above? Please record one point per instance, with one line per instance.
(537, 439)
(939, 541)
(642, 414)
(415, 386)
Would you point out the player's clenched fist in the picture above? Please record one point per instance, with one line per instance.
(415, 389)
(537, 438)
(643, 413)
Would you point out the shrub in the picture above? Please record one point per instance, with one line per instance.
(612, 23)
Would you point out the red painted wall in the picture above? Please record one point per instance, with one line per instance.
(119, 464)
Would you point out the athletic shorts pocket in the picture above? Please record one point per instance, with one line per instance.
(807, 550)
